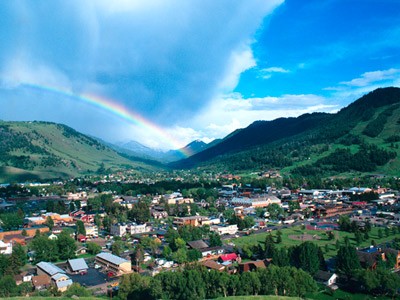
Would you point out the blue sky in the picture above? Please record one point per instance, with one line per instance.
(198, 69)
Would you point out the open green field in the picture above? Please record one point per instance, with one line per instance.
(321, 238)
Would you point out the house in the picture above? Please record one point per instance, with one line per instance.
(77, 266)
(48, 269)
(369, 258)
(41, 282)
(213, 265)
(113, 263)
(5, 248)
(192, 221)
(326, 278)
(15, 238)
(91, 230)
(229, 257)
(199, 244)
(61, 281)
(80, 250)
(81, 238)
(52, 237)
(252, 265)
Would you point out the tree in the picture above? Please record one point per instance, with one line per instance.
(8, 287)
(97, 221)
(215, 239)
(66, 246)
(279, 237)
(93, 248)
(77, 290)
(380, 233)
(193, 255)
(269, 246)
(24, 233)
(306, 256)
(117, 247)
(45, 249)
(49, 222)
(80, 228)
(280, 257)
(167, 252)
(344, 223)
(347, 261)
(275, 211)
(17, 259)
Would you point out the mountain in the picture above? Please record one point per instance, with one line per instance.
(362, 137)
(43, 150)
(139, 150)
(136, 149)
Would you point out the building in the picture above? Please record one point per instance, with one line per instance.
(113, 263)
(259, 201)
(91, 231)
(120, 229)
(252, 265)
(48, 269)
(57, 276)
(326, 278)
(61, 282)
(5, 248)
(221, 230)
(77, 266)
(192, 221)
(41, 282)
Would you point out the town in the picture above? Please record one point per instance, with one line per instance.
(79, 238)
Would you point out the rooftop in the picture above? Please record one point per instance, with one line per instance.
(49, 268)
(77, 264)
(111, 258)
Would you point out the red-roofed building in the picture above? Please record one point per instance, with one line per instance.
(228, 257)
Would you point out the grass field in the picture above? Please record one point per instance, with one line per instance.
(323, 240)
(255, 298)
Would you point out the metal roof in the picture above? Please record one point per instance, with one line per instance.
(77, 264)
(49, 268)
(64, 283)
(58, 276)
(111, 258)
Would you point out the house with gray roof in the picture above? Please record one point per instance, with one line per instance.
(77, 265)
(113, 263)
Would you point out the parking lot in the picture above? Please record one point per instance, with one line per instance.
(92, 278)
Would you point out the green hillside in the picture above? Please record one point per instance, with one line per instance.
(363, 137)
(42, 150)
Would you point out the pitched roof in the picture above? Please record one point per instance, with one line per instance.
(49, 268)
(111, 258)
(58, 276)
(77, 264)
(64, 283)
(229, 256)
(199, 244)
(323, 275)
(40, 280)
(211, 264)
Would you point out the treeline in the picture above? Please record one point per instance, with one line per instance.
(367, 159)
(196, 282)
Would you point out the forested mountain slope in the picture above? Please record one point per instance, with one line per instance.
(362, 137)
(35, 150)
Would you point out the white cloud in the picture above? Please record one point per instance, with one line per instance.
(369, 78)
(267, 72)
(239, 62)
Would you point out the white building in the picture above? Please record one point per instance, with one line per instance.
(91, 230)
(121, 229)
(229, 229)
(5, 248)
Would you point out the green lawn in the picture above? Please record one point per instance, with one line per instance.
(267, 297)
(255, 238)
(340, 294)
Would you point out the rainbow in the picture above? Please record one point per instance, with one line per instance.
(118, 110)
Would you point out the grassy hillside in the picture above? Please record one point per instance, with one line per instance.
(362, 137)
(37, 150)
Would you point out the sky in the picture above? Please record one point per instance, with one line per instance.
(166, 72)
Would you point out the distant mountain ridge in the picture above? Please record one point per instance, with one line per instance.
(139, 150)
(288, 143)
